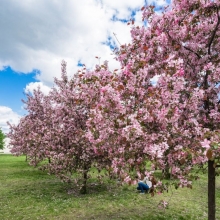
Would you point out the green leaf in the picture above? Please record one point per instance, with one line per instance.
(215, 146)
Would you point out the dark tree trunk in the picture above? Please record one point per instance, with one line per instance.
(211, 190)
(166, 172)
(83, 190)
(35, 161)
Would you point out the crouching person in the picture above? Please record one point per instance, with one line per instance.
(144, 185)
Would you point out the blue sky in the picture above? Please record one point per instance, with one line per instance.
(36, 35)
(12, 88)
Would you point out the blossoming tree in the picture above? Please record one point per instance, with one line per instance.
(175, 122)
(26, 137)
(55, 128)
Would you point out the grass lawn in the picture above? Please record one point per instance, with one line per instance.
(27, 193)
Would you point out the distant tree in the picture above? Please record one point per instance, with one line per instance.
(2, 137)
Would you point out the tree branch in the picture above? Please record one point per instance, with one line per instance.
(213, 34)
(187, 48)
(117, 39)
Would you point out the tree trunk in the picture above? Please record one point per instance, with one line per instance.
(166, 172)
(35, 161)
(211, 190)
(83, 189)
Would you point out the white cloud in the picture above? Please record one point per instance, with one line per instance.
(35, 85)
(7, 115)
(38, 34)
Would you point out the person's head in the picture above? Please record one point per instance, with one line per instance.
(153, 180)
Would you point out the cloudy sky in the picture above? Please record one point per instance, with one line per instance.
(36, 35)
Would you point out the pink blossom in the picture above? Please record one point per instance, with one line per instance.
(205, 143)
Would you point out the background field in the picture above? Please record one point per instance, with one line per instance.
(27, 193)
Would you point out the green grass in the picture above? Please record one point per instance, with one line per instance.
(27, 193)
